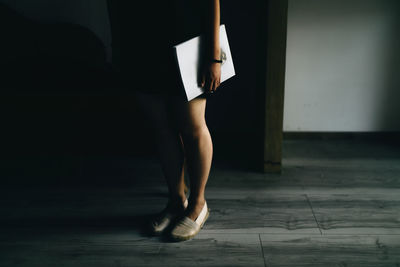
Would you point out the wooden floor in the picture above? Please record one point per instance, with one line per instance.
(336, 203)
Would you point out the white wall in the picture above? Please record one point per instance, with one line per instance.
(88, 13)
(343, 64)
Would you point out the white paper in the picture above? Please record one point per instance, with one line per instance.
(189, 54)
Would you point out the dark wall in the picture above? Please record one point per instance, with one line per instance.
(60, 105)
(236, 112)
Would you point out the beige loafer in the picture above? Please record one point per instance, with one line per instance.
(158, 225)
(186, 228)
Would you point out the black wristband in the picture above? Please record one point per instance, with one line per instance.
(216, 60)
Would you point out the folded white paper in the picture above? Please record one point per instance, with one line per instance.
(189, 59)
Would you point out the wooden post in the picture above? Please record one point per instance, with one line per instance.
(275, 84)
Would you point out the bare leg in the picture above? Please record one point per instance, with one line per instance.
(198, 147)
(168, 142)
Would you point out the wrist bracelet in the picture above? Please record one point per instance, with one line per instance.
(216, 60)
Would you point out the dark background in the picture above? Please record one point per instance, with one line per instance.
(61, 103)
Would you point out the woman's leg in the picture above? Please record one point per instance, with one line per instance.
(198, 148)
(168, 142)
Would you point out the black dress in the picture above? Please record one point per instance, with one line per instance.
(143, 35)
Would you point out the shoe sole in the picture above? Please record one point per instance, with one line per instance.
(184, 238)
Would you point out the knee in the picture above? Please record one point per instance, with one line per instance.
(195, 131)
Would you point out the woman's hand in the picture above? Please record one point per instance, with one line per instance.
(211, 77)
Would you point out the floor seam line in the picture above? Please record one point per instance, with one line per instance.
(262, 250)
(312, 211)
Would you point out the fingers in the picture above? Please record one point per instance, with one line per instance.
(202, 80)
(218, 83)
(208, 84)
(215, 84)
(211, 85)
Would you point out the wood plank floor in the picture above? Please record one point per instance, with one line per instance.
(336, 203)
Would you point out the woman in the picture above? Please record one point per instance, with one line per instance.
(144, 33)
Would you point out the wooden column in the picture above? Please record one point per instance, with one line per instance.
(275, 83)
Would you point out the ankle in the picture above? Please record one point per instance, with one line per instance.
(197, 201)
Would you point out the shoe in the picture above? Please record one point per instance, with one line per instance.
(186, 228)
(164, 219)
